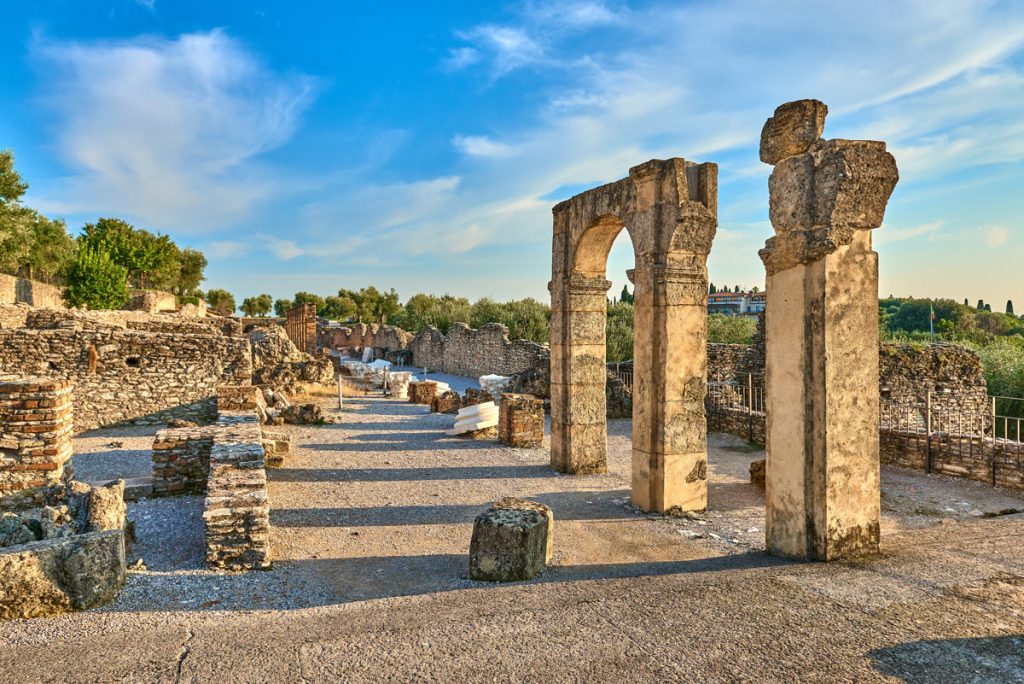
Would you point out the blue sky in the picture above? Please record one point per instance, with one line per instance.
(317, 145)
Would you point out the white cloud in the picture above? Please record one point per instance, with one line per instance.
(887, 235)
(224, 249)
(168, 132)
(481, 146)
(995, 236)
(285, 250)
(461, 57)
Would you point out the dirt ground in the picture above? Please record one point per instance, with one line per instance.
(372, 517)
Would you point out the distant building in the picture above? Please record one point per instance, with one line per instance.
(737, 303)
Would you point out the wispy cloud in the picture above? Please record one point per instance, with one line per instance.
(887, 235)
(167, 131)
(995, 236)
(482, 146)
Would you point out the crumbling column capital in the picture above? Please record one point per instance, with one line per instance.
(820, 191)
(581, 283)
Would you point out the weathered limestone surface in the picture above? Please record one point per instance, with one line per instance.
(670, 209)
(822, 476)
(521, 420)
(57, 575)
(35, 440)
(446, 402)
(512, 541)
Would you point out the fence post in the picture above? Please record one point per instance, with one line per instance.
(750, 407)
(339, 392)
(928, 432)
(993, 416)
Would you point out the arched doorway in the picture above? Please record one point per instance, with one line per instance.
(669, 208)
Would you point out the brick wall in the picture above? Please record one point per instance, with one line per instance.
(35, 439)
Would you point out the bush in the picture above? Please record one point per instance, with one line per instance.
(95, 281)
(731, 329)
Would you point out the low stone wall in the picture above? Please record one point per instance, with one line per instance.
(972, 457)
(181, 460)
(739, 422)
(237, 510)
(14, 290)
(58, 575)
(422, 392)
(129, 367)
(151, 301)
(35, 440)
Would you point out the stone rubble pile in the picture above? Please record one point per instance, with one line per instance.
(495, 384)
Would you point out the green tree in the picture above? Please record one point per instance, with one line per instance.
(260, 305)
(981, 305)
(338, 308)
(711, 289)
(152, 261)
(221, 302)
(281, 307)
(423, 310)
(95, 281)
(618, 339)
(191, 266)
(731, 329)
(1009, 307)
(309, 298)
(626, 296)
(50, 250)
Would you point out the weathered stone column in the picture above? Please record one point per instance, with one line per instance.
(578, 375)
(821, 326)
(669, 384)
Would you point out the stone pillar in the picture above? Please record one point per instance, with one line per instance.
(669, 383)
(578, 374)
(821, 325)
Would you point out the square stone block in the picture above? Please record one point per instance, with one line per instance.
(512, 541)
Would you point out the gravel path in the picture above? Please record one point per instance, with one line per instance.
(111, 453)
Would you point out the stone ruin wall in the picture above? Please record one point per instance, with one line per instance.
(15, 290)
(907, 373)
(126, 366)
(463, 351)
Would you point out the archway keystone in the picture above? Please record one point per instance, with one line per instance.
(669, 208)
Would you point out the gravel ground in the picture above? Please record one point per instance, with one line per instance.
(110, 453)
(371, 524)
(380, 503)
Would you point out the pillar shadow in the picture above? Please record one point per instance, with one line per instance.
(565, 505)
(978, 659)
(410, 474)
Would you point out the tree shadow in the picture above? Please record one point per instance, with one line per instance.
(441, 443)
(977, 659)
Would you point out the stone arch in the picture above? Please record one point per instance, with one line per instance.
(669, 208)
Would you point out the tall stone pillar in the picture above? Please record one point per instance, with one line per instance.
(669, 384)
(579, 374)
(821, 327)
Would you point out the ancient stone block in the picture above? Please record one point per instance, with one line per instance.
(792, 130)
(521, 420)
(757, 473)
(54, 576)
(511, 541)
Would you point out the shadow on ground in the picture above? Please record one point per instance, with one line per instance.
(980, 659)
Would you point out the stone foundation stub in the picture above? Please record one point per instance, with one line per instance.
(512, 541)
